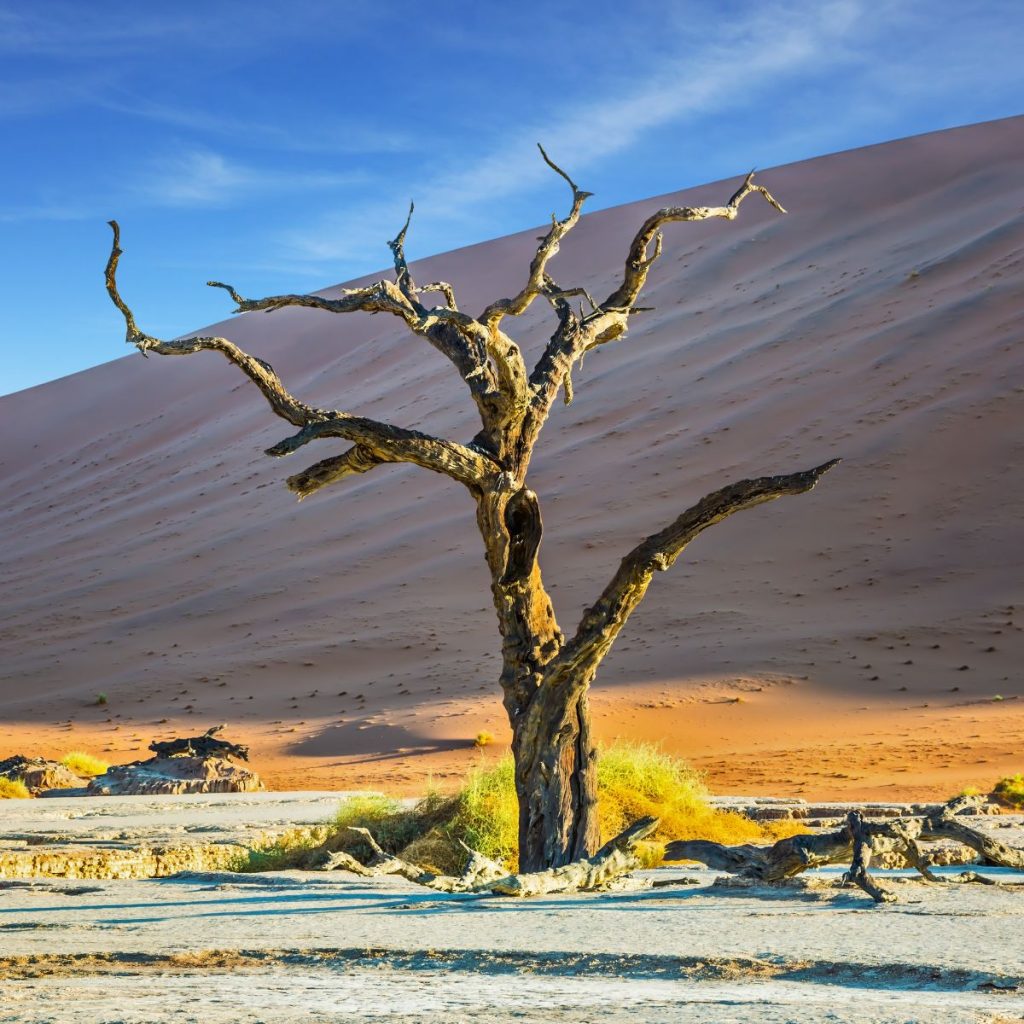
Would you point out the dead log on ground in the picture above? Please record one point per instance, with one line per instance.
(615, 859)
(854, 843)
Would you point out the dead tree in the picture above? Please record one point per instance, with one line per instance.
(545, 676)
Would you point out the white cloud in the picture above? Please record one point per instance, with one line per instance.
(204, 178)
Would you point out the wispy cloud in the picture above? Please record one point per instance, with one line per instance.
(188, 179)
(122, 28)
(695, 79)
(205, 178)
(327, 135)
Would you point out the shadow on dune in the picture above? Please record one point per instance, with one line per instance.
(373, 743)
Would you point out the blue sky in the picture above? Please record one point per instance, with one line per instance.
(276, 146)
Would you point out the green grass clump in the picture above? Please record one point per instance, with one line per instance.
(1010, 791)
(83, 764)
(13, 789)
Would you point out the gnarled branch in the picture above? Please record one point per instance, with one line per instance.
(382, 441)
(358, 459)
(607, 321)
(603, 621)
(548, 247)
(638, 263)
(397, 246)
(387, 443)
(616, 858)
(445, 289)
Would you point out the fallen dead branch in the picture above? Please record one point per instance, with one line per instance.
(615, 859)
(855, 843)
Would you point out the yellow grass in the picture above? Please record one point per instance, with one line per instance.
(13, 789)
(483, 739)
(83, 764)
(1010, 791)
(634, 780)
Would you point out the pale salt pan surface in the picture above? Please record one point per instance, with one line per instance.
(301, 946)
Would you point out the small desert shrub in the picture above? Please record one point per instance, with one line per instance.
(101, 698)
(83, 764)
(483, 739)
(13, 789)
(1010, 791)
(289, 850)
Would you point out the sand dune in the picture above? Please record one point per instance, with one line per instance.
(152, 553)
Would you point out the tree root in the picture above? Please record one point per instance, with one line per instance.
(483, 875)
(855, 843)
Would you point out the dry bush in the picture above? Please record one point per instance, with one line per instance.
(84, 765)
(13, 789)
(1010, 791)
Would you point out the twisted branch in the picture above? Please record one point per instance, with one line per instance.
(616, 858)
(358, 459)
(854, 843)
(548, 247)
(571, 670)
(378, 442)
(638, 263)
(608, 321)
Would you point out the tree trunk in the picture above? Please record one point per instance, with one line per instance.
(556, 783)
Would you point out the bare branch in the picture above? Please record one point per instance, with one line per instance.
(358, 459)
(607, 321)
(397, 246)
(387, 443)
(382, 441)
(382, 297)
(603, 621)
(258, 371)
(855, 842)
(443, 287)
(548, 247)
(638, 263)
(458, 337)
(482, 875)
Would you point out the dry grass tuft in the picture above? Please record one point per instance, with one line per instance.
(483, 739)
(84, 765)
(1010, 791)
(13, 789)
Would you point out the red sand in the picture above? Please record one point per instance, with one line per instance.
(152, 553)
